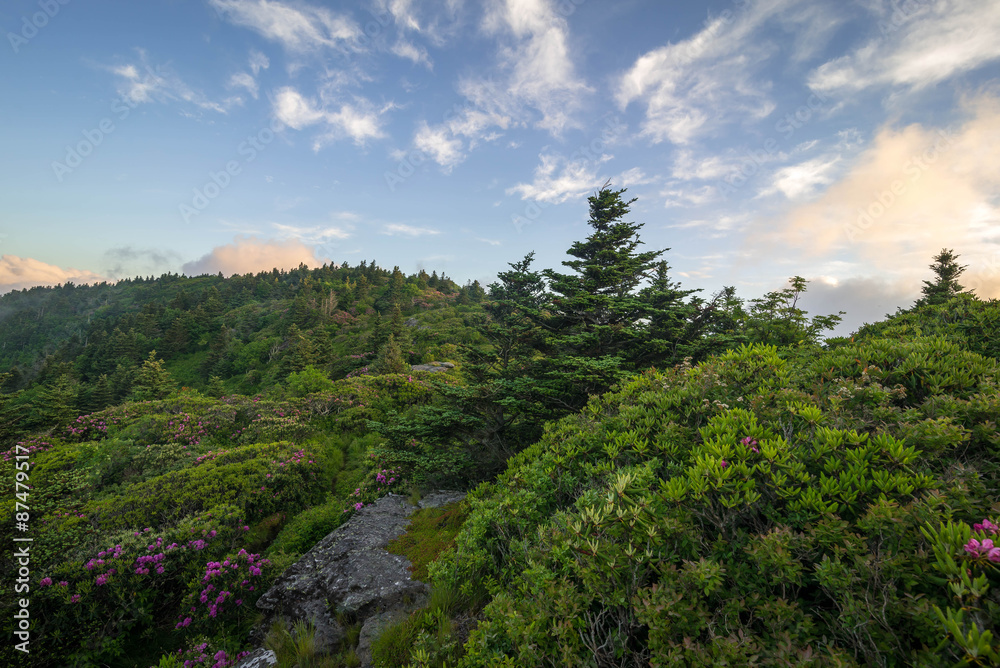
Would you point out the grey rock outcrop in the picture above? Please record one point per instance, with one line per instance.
(349, 573)
(432, 366)
(259, 658)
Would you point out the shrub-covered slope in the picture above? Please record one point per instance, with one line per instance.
(751, 510)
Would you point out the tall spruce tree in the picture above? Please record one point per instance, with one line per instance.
(152, 381)
(597, 315)
(946, 285)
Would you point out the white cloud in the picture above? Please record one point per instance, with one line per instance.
(244, 80)
(913, 191)
(294, 110)
(249, 255)
(688, 197)
(631, 178)
(142, 83)
(412, 52)
(359, 121)
(558, 180)
(795, 181)
(258, 62)
(18, 273)
(300, 28)
(436, 21)
(535, 81)
(395, 229)
(922, 43)
(312, 235)
(436, 143)
(692, 87)
(687, 167)
(538, 67)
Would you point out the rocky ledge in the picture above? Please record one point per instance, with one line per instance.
(350, 574)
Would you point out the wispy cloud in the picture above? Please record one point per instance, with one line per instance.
(140, 82)
(911, 192)
(534, 83)
(536, 62)
(258, 61)
(439, 144)
(300, 28)
(410, 51)
(558, 179)
(396, 229)
(312, 234)
(802, 179)
(244, 80)
(692, 87)
(920, 44)
(359, 120)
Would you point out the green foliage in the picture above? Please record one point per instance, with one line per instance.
(751, 508)
(430, 637)
(945, 285)
(152, 381)
(308, 381)
(309, 527)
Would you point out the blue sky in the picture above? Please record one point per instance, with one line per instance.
(846, 141)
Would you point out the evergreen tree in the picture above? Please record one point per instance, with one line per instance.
(153, 381)
(100, 396)
(390, 358)
(674, 327)
(215, 387)
(10, 413)
(597, 315)
(506, 396)
(946, 285)
(776, 318)
(55, 404)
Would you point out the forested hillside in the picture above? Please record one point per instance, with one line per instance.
(658, 477)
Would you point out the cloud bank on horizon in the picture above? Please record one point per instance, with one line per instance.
(845, 142)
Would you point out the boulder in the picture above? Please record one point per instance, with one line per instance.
(432, 366)
(350, 573)
(259, 658)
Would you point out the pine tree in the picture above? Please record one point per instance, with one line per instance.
(390, 358)
(946, 286)
(597, 315)
(153, 381)
(56, 403)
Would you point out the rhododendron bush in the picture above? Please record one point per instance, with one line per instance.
(833, 508)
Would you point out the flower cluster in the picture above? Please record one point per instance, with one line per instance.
(209, 456)
(199, 655)
(751, 443)
(88, 427)
(30, 447)
(985, 547)
(232, 578)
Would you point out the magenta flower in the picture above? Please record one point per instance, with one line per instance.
(724, 463)
(986, 526)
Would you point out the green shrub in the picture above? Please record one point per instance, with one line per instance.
(751, 509)
(309, 527)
